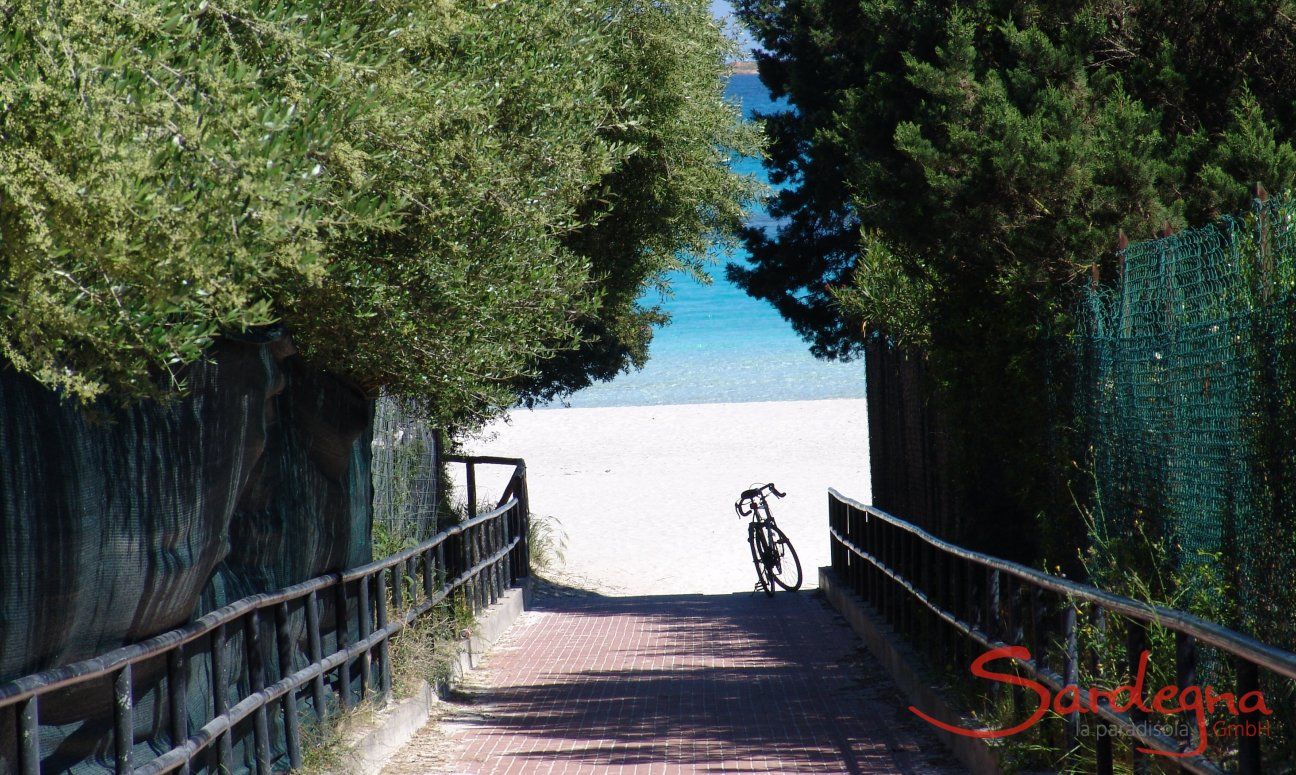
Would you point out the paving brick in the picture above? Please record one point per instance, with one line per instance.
(685, 684)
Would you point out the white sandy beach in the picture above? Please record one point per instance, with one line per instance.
(645, 493)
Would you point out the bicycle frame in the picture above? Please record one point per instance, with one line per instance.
(768, 544)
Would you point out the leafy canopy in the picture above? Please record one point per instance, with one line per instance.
(446, 200)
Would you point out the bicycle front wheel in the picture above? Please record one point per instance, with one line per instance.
(783, 567)
(759, 552)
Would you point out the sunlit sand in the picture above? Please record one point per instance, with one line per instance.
(645, 493)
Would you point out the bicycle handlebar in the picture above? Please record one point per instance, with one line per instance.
(756, 492)
(745, 505)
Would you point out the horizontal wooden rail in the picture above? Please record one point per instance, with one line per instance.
(476, 559)
(930, 590)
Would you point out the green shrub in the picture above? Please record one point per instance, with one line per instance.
(437, 198)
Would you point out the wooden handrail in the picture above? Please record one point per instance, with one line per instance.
(478, 558)
(912, 577)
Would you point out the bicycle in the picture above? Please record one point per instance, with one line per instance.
(773, 555)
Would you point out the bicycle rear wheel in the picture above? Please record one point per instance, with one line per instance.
(759, 550)
(784, 567)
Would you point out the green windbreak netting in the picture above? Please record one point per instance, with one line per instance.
(120, 523)
(1187, 399)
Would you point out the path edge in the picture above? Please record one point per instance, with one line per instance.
(905, 668)
(372, 746)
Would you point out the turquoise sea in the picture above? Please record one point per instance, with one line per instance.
(722, 345)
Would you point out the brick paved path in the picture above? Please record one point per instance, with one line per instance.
(675, 684)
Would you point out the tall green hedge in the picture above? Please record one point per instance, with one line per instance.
(442, 199)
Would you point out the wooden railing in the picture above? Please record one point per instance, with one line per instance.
(949, 601)
(323, 644)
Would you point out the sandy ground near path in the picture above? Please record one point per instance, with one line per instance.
(645, 494)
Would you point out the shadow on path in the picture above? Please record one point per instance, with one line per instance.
(689, 683)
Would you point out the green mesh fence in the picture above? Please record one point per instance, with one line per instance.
(1186, 396)
(406, 473)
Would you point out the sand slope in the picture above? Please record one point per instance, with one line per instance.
(646, 493)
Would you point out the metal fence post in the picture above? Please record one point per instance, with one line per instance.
(524, 500)
(474, 557)
(292, 730)
(462, 562)
(941, 564)
(410, 580)
(834, 557)
(1012, 621)
(397, 585)
(876, 547)
(905, 572)
(365, 614)
(857, 532)
(471, 479)
(29, 748)
(1071, 668)
(255, 659)
(123, 719)
(1102, 731)
(509, 527)
(316, 653)
(442, 568)
(465, 563)
(1103, 749)
(344, 669)
(1185, 676)
(991, 591)
(177, 700)
(429, 575)
(886, 539)
(497, 568)
(483, 575)
(958, 598)
(220, 695)
(384, 649)
(1038, 643)
(1248, 680)
(1136, 643)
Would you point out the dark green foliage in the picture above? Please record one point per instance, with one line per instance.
(442, 199)
(986, 153)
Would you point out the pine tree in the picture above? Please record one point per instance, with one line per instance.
(952, 168)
